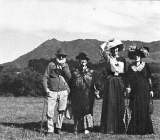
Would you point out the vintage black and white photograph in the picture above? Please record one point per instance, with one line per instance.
(79, 69)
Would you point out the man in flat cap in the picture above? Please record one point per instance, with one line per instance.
(54, 82)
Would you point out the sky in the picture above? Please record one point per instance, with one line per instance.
(26, 24)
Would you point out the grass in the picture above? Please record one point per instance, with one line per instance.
(20, 119)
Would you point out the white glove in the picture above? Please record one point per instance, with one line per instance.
(47, 90)
(151, 93)
(128, 90)
(103, 46)
(84, 67)
(96, 92)
(63, 65)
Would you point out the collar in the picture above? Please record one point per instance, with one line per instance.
(85, 71)
(138, 68)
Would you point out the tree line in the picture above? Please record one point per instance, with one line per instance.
(28, 81)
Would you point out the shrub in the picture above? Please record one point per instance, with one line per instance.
(25, 82)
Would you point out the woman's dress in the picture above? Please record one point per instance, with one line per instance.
(113, 97)
(82, 98)
(139, 99)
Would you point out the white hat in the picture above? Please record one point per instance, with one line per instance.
(113, 43)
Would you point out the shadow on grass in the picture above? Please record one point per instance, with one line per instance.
(36, 126)
(33, 126)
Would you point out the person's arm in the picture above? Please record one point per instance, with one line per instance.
(149, 80)
(106, 55)
(150, 84)
(66, 71)
(46, 76)
(103, 52)
(127, 85)
(125, 73)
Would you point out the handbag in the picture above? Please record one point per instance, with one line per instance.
(69, 111)
(151, 106)
(68, 89)
(66, 84)
(88, 121)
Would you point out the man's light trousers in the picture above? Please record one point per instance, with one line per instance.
(53, 98)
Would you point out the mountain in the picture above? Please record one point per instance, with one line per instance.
(155, 55)
(48, 49)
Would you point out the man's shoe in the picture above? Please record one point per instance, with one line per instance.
(59, 131)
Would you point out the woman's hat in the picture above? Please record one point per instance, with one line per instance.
(61, 52)
(143, 52)
(82, 56)
(114, 43)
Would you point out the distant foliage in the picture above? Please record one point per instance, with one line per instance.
(38, 65)
(28, 81)
(156, 85)
(24, 82)
(154, 67)
(1, 68)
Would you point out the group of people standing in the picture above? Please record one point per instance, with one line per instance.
(120, 81)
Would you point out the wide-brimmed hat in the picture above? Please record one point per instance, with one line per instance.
(114, 43)
(82, 56)
(143, 52)
(61, 52)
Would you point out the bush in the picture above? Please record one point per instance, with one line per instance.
(25, 82)
(28, 81)
(156, 85)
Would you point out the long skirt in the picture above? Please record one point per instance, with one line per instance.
(113, 106)
(83, 110)
(141, 122)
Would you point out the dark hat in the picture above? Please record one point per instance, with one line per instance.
(61, 52)
(143, 52)
(82, 56)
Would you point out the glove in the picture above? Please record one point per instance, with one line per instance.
(102, 47)
(96, 92)
(63, 65)
(128, 90)
(47, 90)
(151, 93)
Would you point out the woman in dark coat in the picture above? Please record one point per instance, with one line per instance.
(82, 94)
(139, 78)
(113, 96)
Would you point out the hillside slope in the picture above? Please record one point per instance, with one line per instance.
(48, 49)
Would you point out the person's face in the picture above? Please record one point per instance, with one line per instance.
(61, 57)
(83, 62)
(114, 51)
(137, 58)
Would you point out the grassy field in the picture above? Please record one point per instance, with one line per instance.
(20, 119)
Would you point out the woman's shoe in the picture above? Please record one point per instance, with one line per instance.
(86, 132)
(75, 132)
